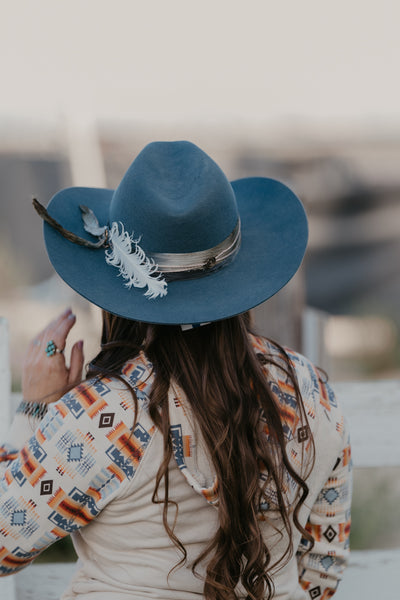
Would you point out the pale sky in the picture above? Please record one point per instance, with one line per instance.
(172, 59)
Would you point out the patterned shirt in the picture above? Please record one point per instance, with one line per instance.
(85, 472)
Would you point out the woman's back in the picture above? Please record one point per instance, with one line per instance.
(130, 529)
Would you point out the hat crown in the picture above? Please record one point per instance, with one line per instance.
(176, 198)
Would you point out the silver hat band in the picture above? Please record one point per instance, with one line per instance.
(154, 270)
(203, 261)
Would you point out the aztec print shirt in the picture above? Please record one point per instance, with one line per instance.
(80, 470)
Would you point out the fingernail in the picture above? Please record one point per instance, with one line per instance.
(80, 344)
(66, 312)
(71, 316)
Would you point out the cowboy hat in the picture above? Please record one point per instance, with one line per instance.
(176, 242)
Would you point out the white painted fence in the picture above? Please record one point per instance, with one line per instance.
(373, 411)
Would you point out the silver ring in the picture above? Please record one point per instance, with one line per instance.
(51, 348)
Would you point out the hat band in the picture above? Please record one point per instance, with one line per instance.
(138, 269)
(203, 260)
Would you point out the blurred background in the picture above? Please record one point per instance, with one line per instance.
(304, 92)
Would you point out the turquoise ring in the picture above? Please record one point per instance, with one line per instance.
(51, 348)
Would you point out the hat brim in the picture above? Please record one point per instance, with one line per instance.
(274, 239)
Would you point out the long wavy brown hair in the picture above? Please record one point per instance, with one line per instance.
(225, 383)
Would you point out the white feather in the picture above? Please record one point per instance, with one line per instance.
(133, 264)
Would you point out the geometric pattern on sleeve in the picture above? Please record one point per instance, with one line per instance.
(329, 521)
(80, 456)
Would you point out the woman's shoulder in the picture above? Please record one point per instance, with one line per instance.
(324, 415)
(282, 358)
(95, 394)
(284, 364)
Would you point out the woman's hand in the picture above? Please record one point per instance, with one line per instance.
(47, 378)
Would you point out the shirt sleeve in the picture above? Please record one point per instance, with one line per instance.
(321, 569)
(80, 456)
(25, 422)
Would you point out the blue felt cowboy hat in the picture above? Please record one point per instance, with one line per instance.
(176, 242)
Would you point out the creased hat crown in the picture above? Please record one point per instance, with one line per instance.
(176, 198)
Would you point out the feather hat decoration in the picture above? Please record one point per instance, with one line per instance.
(133, 264)
(126, 254)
